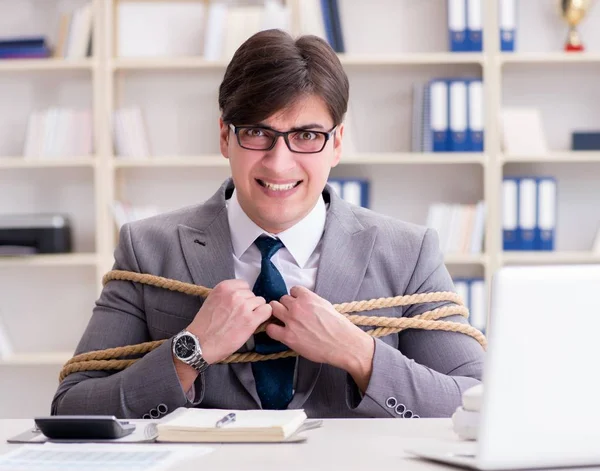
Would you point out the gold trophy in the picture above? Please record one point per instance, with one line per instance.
(573, 11)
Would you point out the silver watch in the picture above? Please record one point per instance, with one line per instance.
(186, 347)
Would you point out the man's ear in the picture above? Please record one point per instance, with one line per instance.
(224, 138)
(337, 145)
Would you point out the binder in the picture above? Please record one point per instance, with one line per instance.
(546, 197)
(508, 24)
(474, 25)
(510, 213)
(475, 117)
(458, 115)
(336, 185)
(328, 24)
(478, 306)
(356, 192)
(439, 115)
(527, 213)
(461, 287)
(457, 25)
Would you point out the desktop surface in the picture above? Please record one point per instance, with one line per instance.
(344, 444)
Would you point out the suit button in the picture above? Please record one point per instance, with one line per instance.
(416, 416)
(400, 408)
(391, 402)
(407, 414)
(154, 414)
(146, 417)
(162, 409)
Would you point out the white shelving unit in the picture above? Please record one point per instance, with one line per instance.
(404, 42)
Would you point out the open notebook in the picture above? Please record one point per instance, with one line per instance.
(199, 425)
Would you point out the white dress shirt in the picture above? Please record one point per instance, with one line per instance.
(297, 260)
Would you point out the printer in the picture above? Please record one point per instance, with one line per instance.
(22, 234)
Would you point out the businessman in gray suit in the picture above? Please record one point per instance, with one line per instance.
(275, 242)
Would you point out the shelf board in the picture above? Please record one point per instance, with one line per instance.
(411, 58)
(71, 162)
(38, 358)
(345, 59)
(465, 259)
(546, 257)
(49, 260)
(357, 159)
(548, 58)
(175, 161)
(27, 65)
(557, 157)
(416, 158)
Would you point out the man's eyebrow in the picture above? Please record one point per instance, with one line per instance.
(302, 127)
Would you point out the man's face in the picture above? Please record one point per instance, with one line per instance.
(277, 188)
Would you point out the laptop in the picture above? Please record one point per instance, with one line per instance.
(541, 399)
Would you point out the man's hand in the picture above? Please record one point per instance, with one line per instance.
(227, 319)
(316, 331)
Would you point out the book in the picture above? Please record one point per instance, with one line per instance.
(199, 425)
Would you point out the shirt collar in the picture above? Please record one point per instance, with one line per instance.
(301, 239)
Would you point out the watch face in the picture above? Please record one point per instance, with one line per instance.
(185, 347)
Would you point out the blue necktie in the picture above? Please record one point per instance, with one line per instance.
(274, 378)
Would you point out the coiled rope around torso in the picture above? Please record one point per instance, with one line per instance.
(112, 358)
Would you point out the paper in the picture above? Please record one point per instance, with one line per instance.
(98, 457)
(523, 132)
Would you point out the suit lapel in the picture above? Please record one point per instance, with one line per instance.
(345, 255)
(207, 251)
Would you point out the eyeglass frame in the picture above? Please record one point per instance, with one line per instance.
(285, 135)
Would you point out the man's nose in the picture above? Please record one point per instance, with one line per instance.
(280, 158)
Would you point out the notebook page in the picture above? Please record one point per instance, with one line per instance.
(207, 418)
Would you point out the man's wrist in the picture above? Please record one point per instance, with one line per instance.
(358, 362)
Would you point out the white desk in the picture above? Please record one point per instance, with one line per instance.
(341, 444)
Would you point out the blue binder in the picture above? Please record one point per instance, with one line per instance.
(457, 25)
(474, 25)
(527, 213)
(510, 213)
(508, 22)
(546, 211)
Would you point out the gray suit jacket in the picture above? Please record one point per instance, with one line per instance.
(364, 255)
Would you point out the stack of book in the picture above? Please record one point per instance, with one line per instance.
(125, 212)
(216, 29)
(24, 48)
(529, 213)
(59, 133)
(448, 116)
(74, 39)
(460, 227)
(130, 137)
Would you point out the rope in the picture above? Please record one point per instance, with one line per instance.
(112, 358)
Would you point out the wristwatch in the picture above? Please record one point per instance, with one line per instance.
(186, 347)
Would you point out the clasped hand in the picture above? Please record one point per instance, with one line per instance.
(311, 326)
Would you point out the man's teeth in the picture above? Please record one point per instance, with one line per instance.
(272, 186)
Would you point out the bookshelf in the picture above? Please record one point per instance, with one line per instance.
(404, 42)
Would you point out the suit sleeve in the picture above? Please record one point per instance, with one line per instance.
(427, 374)
(119, 319)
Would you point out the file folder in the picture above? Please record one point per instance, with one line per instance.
(458, 115)
(508, 24)
(474, 25)
(439, 115)
(510, 213)
(475, 118)
(527, 213)
(546, 198)
(457, 25)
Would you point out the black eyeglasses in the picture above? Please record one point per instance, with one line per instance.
(302, 141)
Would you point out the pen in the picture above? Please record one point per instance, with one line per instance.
(229, 418)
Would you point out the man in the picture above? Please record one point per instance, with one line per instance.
(275, 228)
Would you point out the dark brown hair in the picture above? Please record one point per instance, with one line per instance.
(271, 70)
